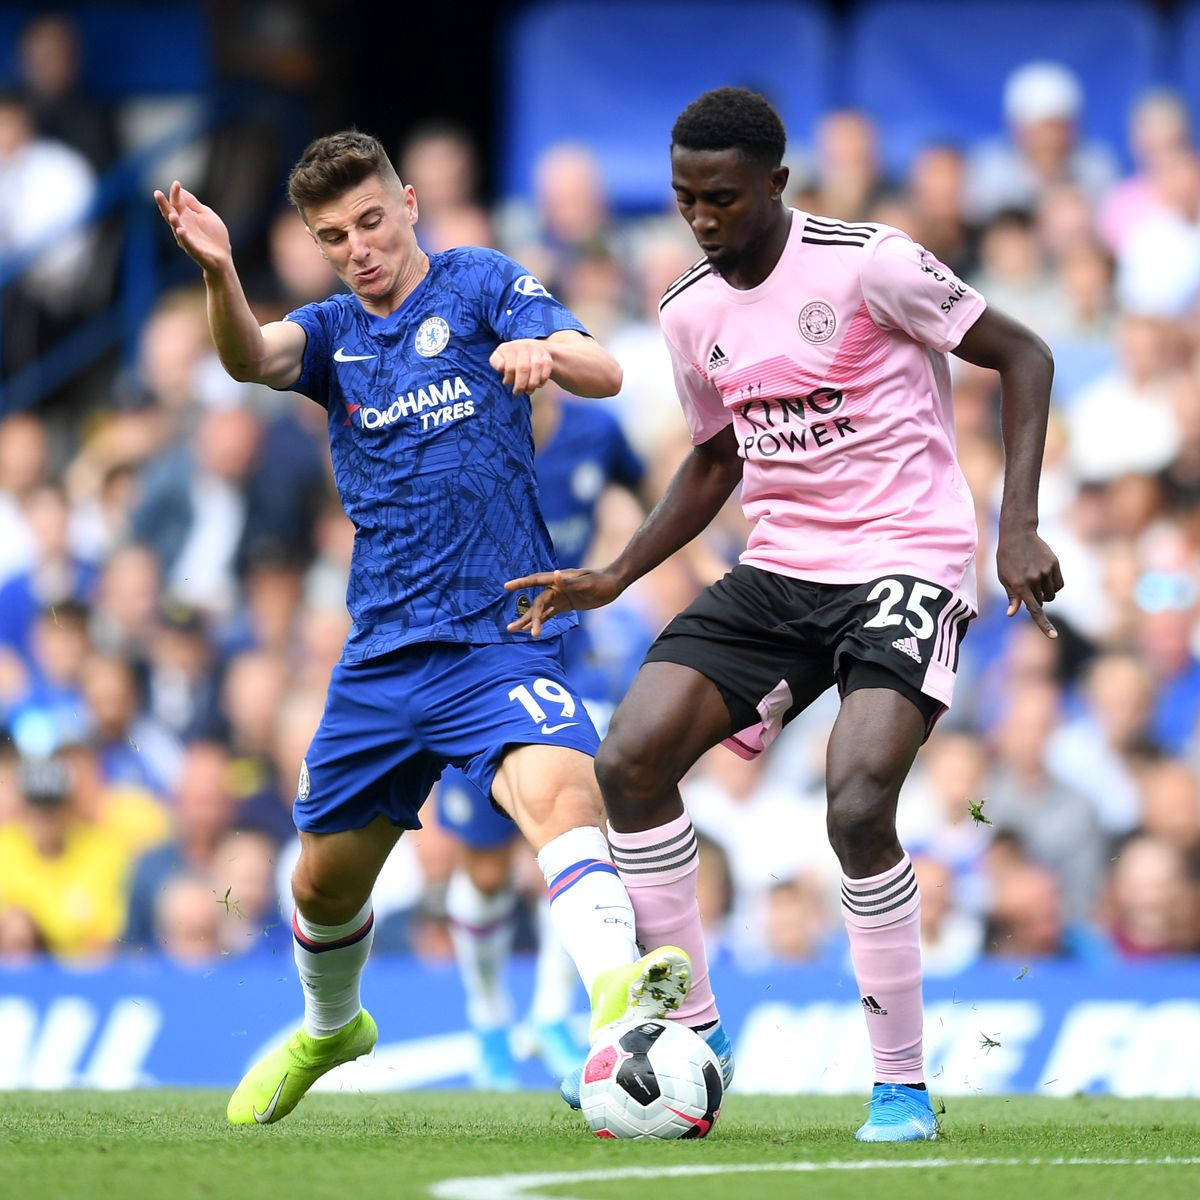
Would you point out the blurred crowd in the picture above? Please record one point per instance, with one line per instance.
(173, 572)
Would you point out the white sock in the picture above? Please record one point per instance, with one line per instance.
(481, 928)
(330, 959)
(556, 979)
(588, 902)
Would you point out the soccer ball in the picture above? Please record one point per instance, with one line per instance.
(652, 1079)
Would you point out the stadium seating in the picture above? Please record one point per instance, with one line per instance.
(915, 65)
(577, 71)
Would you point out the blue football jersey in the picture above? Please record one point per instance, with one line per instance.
(587, 453)
(432, 454)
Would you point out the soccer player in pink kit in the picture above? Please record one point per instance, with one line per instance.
(810, 361)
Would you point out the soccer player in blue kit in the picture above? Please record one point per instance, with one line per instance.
(580, 452)
(425, 368)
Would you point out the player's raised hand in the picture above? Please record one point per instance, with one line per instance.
(563, 591)
(1030, 573)
(197, 229)
(525, 364)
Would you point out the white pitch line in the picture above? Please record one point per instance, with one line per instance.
(525, 1187)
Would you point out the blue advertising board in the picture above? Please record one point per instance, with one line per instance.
(1053, 1028)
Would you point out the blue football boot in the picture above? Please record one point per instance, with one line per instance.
(899, 1113)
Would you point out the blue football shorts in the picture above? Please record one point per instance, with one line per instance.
(393, 723)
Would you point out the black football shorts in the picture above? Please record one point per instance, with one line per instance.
(773, 644)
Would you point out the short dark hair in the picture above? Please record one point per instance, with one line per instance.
(732, 118)
(334, 164)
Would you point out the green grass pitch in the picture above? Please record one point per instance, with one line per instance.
(176, 1145)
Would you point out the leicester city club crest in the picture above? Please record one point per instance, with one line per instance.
(432, 337)
(817, 321)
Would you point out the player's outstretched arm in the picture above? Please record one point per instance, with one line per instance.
(271, 354)
(695, 496)
(577, 363)
(1027, 567)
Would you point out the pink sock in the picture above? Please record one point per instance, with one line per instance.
(883, 919)
(658, 868)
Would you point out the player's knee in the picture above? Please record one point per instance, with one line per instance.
(322, 899)
(862, 806)
(627, 774)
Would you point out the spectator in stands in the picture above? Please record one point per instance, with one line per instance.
(1056, 823)
(441, 162)
(48, 66)
(951, 938)
(21, 942)
(243, 875)
(203, 805)
(195, 509)
(297, 272)
(1042, 104)
(45, 189)
(1027, 920)
(66, 872)
(252, 692)
(797, 920)
(24, 466)
(181, 673)
(1015, 273)
(126, 608)
(849, 176)
(1153, 907)
(1159, 128)
(936, 191)
(1101, 749)
(1135, 398)
(186, 922)
(56, 575)
(132, 746)
(1170, 804)
(1158, 267)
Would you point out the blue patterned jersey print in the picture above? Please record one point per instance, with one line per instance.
(432, 454)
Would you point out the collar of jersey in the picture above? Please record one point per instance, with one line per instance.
(750, 295)
(406, 305)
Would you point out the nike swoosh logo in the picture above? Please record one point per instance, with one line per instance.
(556, 728)
(264, 1117)
(340, 355)
(699, 1122)
(606, 907)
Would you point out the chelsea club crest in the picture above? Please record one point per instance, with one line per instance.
(432, 337)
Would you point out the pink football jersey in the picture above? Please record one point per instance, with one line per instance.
(833, 373)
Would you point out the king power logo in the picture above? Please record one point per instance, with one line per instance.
(73, 1042)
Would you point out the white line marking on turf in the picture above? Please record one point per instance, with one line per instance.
(526, 1187)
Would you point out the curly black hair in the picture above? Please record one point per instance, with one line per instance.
(732, 118)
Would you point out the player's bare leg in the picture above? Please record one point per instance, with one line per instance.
(873, 744)
(333, 927)
(550, 791)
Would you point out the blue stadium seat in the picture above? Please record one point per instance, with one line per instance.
(1187, 56)
(927, 70)
(614, 76)
(128, 50)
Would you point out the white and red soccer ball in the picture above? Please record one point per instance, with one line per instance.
(651, 1079)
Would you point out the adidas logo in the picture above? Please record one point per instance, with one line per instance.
(717, 358)
(908, 645)
(872, 1006)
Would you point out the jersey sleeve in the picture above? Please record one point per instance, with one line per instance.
(703, 406)
(906, 288)
(519, 306)
(316, 321)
